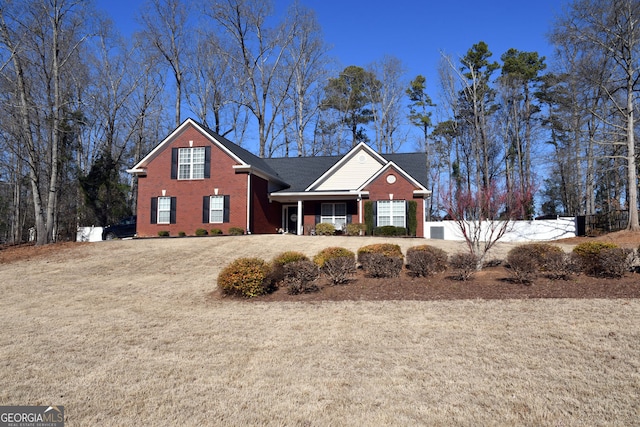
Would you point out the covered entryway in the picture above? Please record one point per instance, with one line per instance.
(290, 219)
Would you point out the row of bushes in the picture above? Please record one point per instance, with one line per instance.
(250, 277)
(233, 231)
(600, 259)
(357, 229)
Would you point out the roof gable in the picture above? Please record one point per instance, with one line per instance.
(399, 170)
(351, 171)
(242, 157)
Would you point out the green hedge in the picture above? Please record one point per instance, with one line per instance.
(368, 217)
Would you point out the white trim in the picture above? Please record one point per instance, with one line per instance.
(408, 177)
(140, 167)
(334, 218)
(211, 199)
(345, 159)
(163, 198)
(300, 222)
(294, 196)
(192, 163)
(285, 217)
(254, 171)
(162, 145)
(392, 203)
(249, 203)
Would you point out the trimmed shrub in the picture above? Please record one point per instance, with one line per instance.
(389, 249)
(236, 231)
(281, 260)
(389, 231)
(354, 229)
(300, 276)
(181, 234)
(339, 269)
(379, 265)
(525, 261)
(425, 260)
(588, 256)
(247, 277)
(289, 257)
(560, 265)
(464, 265)
(163, 233)
(614, 262)
(215, 231)
(201, 232)
(542, 253)
(381, 260)
(332, 252)
(325, 229)
(522, 265)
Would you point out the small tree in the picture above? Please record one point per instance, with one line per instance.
(484, 216)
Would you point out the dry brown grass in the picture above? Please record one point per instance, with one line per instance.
(122, 333)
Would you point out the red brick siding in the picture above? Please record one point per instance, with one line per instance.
(189, 193)
(266, 217)
(312, 208)
(402, 189)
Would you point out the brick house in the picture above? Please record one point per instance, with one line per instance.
(197, 179)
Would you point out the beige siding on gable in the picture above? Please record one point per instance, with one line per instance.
(351, 174)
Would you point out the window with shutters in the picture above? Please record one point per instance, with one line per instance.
(191, 163)
(334, 213)
(216, 209)
(164, 210)
(392, 212)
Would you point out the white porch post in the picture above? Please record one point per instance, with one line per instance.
(300, 221)
(249, 203)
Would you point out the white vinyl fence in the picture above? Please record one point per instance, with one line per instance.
(89, 234)
(517, 231)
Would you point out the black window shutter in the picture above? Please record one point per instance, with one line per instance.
(154, 210)
(172, 217)
(205, 209)
(226, 212)
(174, 163)
(318, 212)
(207, 161)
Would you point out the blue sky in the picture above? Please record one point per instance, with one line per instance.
(363, 31)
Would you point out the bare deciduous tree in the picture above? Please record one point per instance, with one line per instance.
(165, 32)
(610, 31)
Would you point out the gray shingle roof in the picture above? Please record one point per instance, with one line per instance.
(301, 172)
(244, 155)
(415, 164)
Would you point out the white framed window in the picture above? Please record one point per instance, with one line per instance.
(392, 212)
(216, 209)
(164, 210)
(191, 163)
(334, 213)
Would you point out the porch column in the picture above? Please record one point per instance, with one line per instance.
(248, 231)
(300, 221)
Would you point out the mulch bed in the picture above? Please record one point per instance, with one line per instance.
(488, 284)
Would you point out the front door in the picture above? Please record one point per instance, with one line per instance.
(291, 219)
